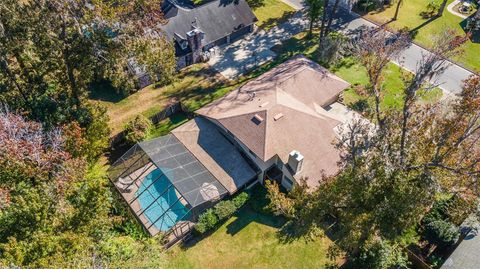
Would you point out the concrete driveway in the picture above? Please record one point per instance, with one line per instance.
(245, 54)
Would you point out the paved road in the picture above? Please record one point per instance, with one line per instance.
(243, 55)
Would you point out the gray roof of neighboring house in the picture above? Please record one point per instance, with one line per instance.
(216, 19)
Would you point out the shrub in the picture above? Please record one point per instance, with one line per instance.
(442, 233)
(437, 212)
(221, 211)
(206, 221)
(241, 199)
(435, 261)
(432, 8)
(225, 209)
(137, 129)
(378, 253)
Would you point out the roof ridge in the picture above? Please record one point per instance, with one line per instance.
(296, 100)
(238, 115)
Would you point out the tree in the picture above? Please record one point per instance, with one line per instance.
(387, 183)
(52, 51)
(446, 45)
(314, 11)
(375, 49)
(332, 15)
(442, 233)
(324, 21)
(137, 129)
(52, 210)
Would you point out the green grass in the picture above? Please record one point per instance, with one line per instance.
(271, 12)
(165, 126)
(250, 239)
(409, 17)
(193, 86)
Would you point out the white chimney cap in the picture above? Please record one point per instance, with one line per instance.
(297, 155)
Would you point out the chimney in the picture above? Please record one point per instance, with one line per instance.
(295, 161)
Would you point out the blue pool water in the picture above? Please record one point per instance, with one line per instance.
(167, 202)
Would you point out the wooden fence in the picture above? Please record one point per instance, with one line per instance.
(165, 113)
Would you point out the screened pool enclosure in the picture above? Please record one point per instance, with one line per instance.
(165, 185)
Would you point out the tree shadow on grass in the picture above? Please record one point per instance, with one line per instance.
(104, 91)
(272, 22)
(414, 31)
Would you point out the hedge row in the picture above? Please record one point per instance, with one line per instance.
(224, 209)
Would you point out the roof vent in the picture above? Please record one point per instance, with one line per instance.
(257, 119)
(252, 95)
(278, 116)
(295, 161)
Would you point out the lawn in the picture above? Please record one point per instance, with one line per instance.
(250, 239)
(270, 12)
(194, 86)
(409, 16)
(355, 74)
(350, 70)
(165, 126)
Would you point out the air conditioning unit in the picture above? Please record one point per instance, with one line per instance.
(295, 161)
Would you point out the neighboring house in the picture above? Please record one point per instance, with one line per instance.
(278, 126)
(195, 30)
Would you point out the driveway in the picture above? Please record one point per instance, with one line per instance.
(235, 59)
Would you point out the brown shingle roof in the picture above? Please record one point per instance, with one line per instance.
(296, 89)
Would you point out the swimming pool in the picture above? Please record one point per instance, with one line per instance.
(167, 201)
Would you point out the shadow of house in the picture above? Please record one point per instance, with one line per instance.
(247, 216)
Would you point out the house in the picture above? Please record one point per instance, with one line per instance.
(279, 126)
(196, 29)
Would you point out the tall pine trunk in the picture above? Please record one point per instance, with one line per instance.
(332, 15)
(324, 21)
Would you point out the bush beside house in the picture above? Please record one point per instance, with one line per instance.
(223, 210)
